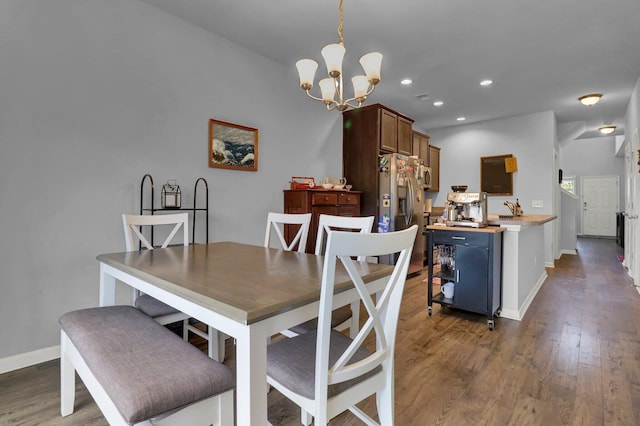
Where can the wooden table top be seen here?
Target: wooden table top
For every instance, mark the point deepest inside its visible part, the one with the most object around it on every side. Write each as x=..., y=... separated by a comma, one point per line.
x=243, y=282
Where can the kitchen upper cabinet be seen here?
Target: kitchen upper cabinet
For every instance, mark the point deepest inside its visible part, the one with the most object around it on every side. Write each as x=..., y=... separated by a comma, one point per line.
x=405, y=135
x=388, y=129
x=434, y=163
x=366, y=133
x=421, y=147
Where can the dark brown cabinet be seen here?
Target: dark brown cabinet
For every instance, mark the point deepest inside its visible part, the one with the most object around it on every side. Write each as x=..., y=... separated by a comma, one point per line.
x=368, y=132
x=421, y=147
x=434, y=163
x=317, y=202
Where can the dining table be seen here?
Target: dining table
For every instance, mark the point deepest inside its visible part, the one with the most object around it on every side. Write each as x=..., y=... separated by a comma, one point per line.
x=248, y=292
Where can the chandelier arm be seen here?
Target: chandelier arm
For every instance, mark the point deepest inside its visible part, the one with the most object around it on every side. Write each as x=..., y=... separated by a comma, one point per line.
x=313, y=97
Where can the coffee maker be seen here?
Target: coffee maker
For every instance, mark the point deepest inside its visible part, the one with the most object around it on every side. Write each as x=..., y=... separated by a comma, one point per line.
x=467, y=209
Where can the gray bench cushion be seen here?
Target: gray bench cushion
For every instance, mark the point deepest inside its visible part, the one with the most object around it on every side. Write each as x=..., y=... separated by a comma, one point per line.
x=144, y=368
x=292, y=362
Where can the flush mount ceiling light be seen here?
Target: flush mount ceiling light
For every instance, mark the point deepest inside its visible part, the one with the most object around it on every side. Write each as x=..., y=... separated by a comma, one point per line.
x=332, y=86
x=461, y=118
x=486, y=82
x=406, y=81
x=607, y=130
x=438, y=103
x=590, y=100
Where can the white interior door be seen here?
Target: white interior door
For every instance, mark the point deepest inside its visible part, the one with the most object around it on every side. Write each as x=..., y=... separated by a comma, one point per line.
x=600, y=202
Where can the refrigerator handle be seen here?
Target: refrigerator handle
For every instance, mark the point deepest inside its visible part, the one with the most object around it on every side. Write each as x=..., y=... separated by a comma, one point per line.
x=408, y=217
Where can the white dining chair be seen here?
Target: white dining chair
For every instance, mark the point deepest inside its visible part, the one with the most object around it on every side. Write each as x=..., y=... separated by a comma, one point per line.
x=276, y=223
x=325, y=372
x=176, y=225
x=345, y=316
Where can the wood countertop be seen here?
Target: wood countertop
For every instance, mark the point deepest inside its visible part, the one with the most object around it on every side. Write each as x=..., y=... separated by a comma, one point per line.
x=486, y=230
x=524, y=220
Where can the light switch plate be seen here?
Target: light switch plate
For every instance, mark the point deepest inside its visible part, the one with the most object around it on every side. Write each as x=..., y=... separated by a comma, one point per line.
x=537, y=203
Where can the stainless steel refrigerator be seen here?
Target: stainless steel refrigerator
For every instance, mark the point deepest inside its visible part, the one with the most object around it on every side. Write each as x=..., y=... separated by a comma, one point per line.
x=401, y=202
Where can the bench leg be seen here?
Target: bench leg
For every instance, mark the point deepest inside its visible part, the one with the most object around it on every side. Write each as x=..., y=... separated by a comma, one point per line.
x=67, y=378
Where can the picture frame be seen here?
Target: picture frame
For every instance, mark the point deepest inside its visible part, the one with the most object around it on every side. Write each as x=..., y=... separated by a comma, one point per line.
x=494, y=179
x=232, y=146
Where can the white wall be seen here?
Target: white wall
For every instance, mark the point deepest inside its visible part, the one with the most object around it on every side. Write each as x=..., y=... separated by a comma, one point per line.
x=632, y=226
x=591, y=157
x=530, y=138
x=93, y=95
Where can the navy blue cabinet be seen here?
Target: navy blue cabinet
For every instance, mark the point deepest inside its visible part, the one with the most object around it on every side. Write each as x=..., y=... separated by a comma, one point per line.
x=466, y=268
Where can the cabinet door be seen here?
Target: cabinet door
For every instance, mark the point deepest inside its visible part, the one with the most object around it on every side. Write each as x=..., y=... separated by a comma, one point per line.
x=472, y=275
x=405, y=136
x=434, y=163
x=421, y=147
x=388, y=131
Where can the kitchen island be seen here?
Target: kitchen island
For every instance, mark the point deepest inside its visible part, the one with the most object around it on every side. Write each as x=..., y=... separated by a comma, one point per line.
x=523, y=270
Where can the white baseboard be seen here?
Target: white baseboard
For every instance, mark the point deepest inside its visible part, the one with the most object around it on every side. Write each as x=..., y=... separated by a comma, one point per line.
x=572, y=252
x=16, y=362
x=522, y=310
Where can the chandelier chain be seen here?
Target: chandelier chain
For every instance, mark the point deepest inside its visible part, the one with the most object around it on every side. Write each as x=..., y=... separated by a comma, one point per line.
x=340, y=24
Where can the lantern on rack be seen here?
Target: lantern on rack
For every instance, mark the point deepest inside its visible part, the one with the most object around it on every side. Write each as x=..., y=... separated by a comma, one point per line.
x=171, y=197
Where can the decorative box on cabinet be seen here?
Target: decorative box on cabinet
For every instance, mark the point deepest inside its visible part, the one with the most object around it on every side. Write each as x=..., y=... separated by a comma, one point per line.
x=472, y=261
x=317, y=202
x=434, y=163
x=368, y=132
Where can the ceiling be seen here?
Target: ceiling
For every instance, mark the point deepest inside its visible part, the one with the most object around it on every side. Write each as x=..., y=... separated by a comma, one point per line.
x=541, y=55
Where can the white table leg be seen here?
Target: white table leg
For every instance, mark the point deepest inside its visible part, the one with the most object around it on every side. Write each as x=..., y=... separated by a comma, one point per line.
x=251, y=377
x=107, y=287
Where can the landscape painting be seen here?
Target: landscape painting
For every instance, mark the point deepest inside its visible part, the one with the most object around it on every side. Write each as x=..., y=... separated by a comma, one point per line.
x=232, y=146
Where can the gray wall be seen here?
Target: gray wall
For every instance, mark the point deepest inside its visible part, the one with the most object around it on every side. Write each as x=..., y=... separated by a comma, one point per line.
x=530, y=138
x=93, y=95
x=591, y=157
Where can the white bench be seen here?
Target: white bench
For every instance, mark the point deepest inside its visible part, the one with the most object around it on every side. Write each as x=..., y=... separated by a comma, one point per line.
x=142, y=374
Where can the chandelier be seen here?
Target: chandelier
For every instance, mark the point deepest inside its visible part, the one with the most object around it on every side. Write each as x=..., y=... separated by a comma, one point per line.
x=332, y=87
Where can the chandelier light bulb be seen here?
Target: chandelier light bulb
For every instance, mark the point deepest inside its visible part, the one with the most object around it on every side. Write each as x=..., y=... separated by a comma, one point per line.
x=371, y=63
x=307, y=72
x=327, y=87
x=333, y=55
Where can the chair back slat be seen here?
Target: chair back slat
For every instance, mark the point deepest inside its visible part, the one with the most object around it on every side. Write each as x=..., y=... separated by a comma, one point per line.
x=276, y=223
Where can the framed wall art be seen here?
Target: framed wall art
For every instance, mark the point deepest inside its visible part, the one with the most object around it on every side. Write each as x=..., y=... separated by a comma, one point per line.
x=233, y=146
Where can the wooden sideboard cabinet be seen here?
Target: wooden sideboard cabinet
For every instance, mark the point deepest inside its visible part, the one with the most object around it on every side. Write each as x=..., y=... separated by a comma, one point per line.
x=317, y=202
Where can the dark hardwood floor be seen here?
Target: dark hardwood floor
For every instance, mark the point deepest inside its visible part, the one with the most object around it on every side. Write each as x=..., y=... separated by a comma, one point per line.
x=573, y=360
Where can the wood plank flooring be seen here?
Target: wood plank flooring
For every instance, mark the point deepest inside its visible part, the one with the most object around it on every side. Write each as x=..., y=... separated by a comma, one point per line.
x=573, y=360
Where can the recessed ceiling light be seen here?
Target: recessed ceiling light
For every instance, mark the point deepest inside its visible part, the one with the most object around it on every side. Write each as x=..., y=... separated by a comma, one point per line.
x=406, y=81
x=607, y=130
x=461, y=118
x=590, y=100
x=486, y=82
x=438, y=103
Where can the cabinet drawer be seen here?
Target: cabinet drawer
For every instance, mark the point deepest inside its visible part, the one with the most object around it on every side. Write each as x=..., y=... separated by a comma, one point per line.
x=324, y=198
x=454, y=237
x=348, y=199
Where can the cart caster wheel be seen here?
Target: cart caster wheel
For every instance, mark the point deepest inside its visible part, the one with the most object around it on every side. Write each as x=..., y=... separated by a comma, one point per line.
x=430, y=311
x=498, y=312
x=490, y=325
